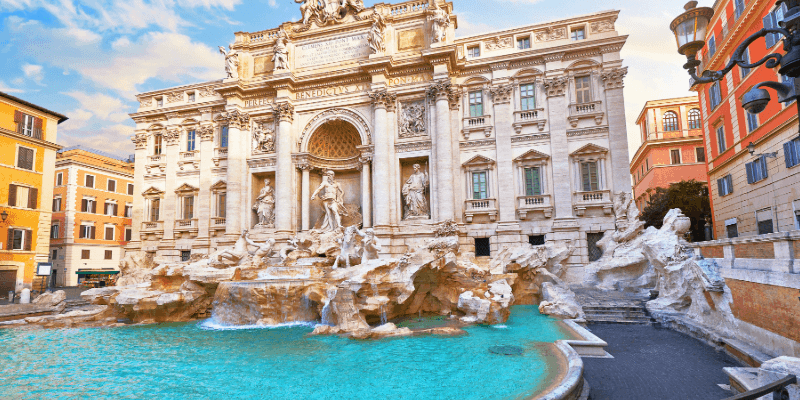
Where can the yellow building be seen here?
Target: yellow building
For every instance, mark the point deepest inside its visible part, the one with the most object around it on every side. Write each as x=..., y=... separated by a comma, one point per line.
x=27, y=165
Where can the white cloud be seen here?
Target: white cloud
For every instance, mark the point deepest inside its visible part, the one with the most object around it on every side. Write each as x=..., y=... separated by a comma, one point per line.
x=33, y=72
x=114, y=139
x=8, y=89
x=101, y=105
x=272, y=3
x=467, y=28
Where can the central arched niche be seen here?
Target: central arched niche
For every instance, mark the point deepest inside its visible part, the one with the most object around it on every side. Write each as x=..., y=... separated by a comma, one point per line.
x=334, y=145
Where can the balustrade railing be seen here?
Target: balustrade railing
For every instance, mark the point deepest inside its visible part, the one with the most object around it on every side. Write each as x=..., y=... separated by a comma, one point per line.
x=584, y=108
x=526, y=115
x=595, y=196
x=406, y=8
x=541, y=200
x=185, y=224
x=156, y=158
x=188, y=154
x=152, y=226
x=264, y=35
x=474, y=122
x=480, y=204
x=221, y=152
x=218, y=221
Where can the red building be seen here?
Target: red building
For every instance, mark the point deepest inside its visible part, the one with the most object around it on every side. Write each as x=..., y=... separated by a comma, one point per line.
x=755, y=193
x=672, y=146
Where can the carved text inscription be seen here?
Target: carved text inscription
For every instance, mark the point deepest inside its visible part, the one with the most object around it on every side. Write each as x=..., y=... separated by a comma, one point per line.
x=332, y=51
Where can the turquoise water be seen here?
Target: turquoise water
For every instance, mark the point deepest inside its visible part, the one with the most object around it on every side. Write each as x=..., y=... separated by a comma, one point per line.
x=188, y=360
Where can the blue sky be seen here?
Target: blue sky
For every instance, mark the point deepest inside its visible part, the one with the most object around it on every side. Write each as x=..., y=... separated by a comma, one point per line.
x=88, y=59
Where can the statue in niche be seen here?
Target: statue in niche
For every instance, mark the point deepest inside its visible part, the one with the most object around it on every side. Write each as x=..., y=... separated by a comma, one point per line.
x=414, y=194
x=440, y=20
x=265, y=206
x=264, y=249
x=281, y=53
x=375, y=37
x=264, y=140
x=231, y=62
x=332, y=198
x=369, y=245
x=412, y=120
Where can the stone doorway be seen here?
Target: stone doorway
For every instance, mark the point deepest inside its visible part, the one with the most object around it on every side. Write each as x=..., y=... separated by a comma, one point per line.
x=8, y=281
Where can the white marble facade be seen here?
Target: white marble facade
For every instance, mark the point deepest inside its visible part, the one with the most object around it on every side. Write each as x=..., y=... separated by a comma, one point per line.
x=518, y=133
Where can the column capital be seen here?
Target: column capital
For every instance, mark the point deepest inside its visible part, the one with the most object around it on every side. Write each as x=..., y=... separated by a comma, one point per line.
x=501, y=94
x=556, y=86
x=613, y=78
x=172, y=135
x=140, y=141
x=235, y=119
x=383, y=99
x=206, y=132
x=301, y=161
x=439, y=89
x=283, y=111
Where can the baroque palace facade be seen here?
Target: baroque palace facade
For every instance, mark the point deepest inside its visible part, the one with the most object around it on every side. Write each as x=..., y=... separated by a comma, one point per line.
x=517, y=135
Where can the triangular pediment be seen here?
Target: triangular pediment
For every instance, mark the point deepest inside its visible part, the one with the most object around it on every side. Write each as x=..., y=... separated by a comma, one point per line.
x=590, y=148
x=532, y=155
x=185, y=188
x=152, y=192
x=478, y=160
x=220, y=185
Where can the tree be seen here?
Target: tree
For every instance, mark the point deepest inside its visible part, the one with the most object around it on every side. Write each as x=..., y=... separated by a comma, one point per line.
x=690, y=196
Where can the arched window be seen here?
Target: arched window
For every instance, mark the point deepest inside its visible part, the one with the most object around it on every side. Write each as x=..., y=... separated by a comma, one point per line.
x=670, y=121
x=694, y=119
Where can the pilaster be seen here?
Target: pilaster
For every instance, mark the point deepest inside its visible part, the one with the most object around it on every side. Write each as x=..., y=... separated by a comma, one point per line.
x=617, y=130
x=503, y=128
x=170, y=210
x=205, y=205
x=140, y=158
x=556, y=108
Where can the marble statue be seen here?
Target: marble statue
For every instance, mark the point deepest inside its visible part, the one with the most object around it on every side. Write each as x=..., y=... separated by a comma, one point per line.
x=263, y=140
x=236, y=254
x=265, y=206
x=231, y=62
x=440, y=22
x=369, y=245
x=414, y=194
x=348, y=245
x=332, y=198
x=375, y=37
x=264, y=249
x=309, y=8
x=281, y=53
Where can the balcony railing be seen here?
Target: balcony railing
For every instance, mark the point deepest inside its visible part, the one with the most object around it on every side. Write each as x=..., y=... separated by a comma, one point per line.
x=529, y=117
x=409, y=7
x=534, y=203
x=152, y=226
x=188, y=154
x=221, y=152
x=481, y=123
x=480, y=207
x=157, y=158
x=593, y=199
x=577, y=109
x=217, y=222
x=185, y=224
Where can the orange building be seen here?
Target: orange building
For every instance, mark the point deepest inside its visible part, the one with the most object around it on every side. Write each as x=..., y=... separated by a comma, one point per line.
x=92, y=208
x=672, y=146
x=28, y=139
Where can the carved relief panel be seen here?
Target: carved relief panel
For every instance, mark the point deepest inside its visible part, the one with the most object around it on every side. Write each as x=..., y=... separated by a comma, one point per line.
x=411, y=119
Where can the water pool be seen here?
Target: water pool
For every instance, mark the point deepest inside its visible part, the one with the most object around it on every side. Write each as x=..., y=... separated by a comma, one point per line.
x=188, y=360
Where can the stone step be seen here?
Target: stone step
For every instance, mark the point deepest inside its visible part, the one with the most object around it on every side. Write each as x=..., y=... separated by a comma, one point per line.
x=611, y=320
x=612, y=309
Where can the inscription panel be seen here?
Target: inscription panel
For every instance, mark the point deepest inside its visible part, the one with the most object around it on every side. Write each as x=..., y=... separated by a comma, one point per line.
x=332, y=51
x=410, y=39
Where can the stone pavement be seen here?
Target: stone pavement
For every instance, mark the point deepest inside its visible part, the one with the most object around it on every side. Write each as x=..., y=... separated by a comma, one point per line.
x=73, y=293
x=653, y=363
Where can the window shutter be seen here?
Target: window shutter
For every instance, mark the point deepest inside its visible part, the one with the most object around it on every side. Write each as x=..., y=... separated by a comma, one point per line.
x=94, y=208
x=12, y=195
x=83, y=205
x=769, y=39
x=18, y=116
x=729, y=180
x=763, y=163
x=92, y=232
x=33, y=198
x=10, y=239
x=28, y=239
x=37, y=128
x=116, y=209
x=719, y=186
x=749, y=168
x=790, y=151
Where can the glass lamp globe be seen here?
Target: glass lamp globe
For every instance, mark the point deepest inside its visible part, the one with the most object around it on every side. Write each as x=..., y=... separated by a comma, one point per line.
x=690, y=28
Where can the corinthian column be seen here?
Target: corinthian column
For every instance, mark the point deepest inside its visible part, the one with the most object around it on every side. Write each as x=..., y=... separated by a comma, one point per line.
x=506, y=195
x=206, y=134
x=617, y=131
x=444, y=150
x=236, y=171
x=305, y=194
x=556, y=107
x=366, y=193
x=139, y=213
x=170, y=209
x=284, y=113
x=380, y=178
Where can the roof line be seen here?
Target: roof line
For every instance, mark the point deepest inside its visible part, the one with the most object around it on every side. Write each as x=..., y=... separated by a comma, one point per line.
x=61, y=117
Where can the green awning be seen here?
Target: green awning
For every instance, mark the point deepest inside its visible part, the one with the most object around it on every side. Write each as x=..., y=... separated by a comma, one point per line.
x=97, y=272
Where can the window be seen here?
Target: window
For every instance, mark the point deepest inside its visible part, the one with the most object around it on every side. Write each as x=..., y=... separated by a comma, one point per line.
x=89, y=205
x=746, y=57
x=771, y=21
x=764, y=221
x=714, y=95
x=28, y=125
x=157, y=141
x=647, y=163
x=56, y=204
x=482, y=247
x=476, y=103
x=111, y=185
x=190, y=97
x=756, y=170
x=108, y=255
x=712, y=45
x=109, y=234
x=725, y=185
x=694, y=119
x=700, y=154
x=752, y=121
x=19, y=239
x=221, y=205
x=128, y=234
x=223, y=137
x=578, y=34
x=479, y=187
x=85, y=254
x=527, y=97
x=154, y=209
x=23, y=197
x=721, y=138
x=791, y=151
x=185, y=255
x=670, y=121
x=589, y=177
x=190, y=140
x=732, y=230
x=524, y=43
x=128, y=211
x=160, y=102
x=54, y=231
x=473, y=51
x=536, y=240
x=54, y=255
x=88, y=181
x=591, y=241
x=533, y=181
x=583, y=89
x=675, y=156
x=130, y=189
x=86, y=231
x=25, y=158
x=59, y=179
x=188, y=207
x=738, y=6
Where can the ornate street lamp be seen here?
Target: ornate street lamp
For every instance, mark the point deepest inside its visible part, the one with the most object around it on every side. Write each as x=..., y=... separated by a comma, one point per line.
x=690, y=31
x=3, y=216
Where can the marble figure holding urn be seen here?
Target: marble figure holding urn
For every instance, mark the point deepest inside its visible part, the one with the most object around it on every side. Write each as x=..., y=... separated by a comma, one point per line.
x=265, y=206
x=414, y=194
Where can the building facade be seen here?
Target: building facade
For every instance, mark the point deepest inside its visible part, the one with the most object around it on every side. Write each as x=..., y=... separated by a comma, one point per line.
x=517, y=135
x=751, y=194
x=672, y=146
x=28, y=139
x=92, y=209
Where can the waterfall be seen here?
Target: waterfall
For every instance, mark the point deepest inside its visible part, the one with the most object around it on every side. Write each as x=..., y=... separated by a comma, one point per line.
x=374, y=289
x=326, y=309
x=383, y=315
